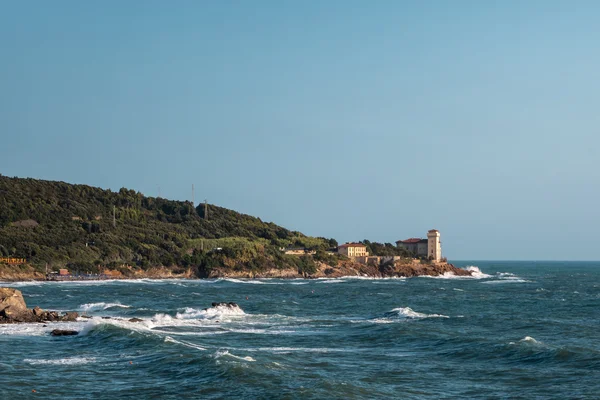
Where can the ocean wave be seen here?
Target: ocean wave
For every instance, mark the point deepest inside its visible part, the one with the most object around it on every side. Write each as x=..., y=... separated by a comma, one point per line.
x=475, y=274
x=61, y=361
x=285, y=350
x=101, y=306
x=216, y=312
x=499, y=281
x=225, y=353
x=403, y=313
x=169, y=339
x=37, y=329
x=21, y=284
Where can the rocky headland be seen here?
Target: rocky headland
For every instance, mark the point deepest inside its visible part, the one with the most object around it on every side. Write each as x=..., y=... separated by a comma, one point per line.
x=407, y=268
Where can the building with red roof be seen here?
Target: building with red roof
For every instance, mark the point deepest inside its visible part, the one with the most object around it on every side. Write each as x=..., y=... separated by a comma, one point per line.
x=430, y=247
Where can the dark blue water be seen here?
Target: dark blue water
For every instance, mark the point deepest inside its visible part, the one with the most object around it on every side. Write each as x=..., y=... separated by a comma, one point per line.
x=521, y=330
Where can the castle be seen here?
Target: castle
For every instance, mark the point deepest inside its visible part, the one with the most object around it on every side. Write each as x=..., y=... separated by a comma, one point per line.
x=430, y=247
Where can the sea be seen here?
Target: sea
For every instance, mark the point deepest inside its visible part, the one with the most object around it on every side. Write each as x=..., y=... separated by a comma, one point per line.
x=514, y=330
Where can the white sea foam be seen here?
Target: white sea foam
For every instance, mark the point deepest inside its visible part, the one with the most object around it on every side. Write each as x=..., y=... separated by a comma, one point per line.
x=37, y=329
x=250, y=281
x=529, y=341
x=225, y=353
x=169, y=339
x=500, y=281
x=21, y=284
x=217, y=312
x=475, y=274
x=402, y=313
x=285, y=350
x=101, y=306
x=61, y=361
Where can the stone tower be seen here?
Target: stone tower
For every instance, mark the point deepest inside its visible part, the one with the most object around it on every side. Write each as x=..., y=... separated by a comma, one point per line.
x=434, y=246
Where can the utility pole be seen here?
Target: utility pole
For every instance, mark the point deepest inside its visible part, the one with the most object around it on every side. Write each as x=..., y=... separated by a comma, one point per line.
x=205, y=209
x=114, y=216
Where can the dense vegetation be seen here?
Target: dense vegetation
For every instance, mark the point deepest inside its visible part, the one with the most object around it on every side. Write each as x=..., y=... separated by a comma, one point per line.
x=72, y=225
x=386, y=249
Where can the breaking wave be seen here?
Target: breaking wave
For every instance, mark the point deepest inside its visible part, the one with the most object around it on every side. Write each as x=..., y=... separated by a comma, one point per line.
x=101, y=306
x=61, y=361
x=218, y=311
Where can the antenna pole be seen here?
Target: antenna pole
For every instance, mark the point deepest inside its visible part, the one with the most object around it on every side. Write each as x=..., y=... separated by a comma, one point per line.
x=205, y=209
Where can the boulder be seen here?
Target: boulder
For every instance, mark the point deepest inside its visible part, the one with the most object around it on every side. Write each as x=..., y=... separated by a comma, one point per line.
x=135, y=320
x=70, y=316
x=224, y=304
x=63, y=332
x=12, y=302
x=38, y=312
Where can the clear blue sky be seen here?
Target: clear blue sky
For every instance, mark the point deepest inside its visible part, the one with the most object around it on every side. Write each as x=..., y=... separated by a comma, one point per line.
x=344, y=119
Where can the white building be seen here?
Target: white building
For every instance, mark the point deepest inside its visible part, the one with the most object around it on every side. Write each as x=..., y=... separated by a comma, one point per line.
x=434, y=246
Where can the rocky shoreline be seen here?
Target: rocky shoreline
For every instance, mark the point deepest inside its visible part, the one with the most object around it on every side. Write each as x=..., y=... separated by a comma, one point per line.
x=14, y=310
x=411, y=268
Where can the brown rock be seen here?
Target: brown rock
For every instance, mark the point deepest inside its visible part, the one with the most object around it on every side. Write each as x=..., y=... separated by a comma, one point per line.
x=11, y=300
x=135, y=320
x=69, y=316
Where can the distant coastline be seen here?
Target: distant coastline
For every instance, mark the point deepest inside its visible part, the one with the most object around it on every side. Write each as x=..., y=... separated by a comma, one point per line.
x=347, y=269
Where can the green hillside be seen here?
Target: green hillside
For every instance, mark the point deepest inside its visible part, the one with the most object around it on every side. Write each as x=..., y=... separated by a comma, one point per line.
x=72, y=225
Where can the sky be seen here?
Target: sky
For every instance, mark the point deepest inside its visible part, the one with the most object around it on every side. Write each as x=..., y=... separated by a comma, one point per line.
x=346, y=119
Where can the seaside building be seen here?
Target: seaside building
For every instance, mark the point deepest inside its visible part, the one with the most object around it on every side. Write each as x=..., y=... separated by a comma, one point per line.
x=434, y=246
x=430, y=247
x=417, y=246
x=353, y=250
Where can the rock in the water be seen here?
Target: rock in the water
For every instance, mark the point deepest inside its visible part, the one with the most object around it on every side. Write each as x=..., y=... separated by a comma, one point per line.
x=135, y=320
x=12, y=302
x=13, y=310
x=63, y=332
x=69, y=316
x=231, y=304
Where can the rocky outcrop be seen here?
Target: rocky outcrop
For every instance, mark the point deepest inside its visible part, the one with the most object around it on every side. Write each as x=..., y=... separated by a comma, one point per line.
x=231, y=304
x=13, y=309
x=406, y=268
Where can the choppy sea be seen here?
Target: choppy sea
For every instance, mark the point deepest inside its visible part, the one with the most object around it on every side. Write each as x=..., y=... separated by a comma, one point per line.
x=514, y=330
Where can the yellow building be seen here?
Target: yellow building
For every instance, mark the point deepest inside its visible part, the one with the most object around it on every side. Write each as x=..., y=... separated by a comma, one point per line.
x=353, y=250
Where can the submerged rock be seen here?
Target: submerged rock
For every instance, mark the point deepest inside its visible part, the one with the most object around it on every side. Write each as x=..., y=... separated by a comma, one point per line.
x=135, y=320
x=63, y=332
x=224, y=304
